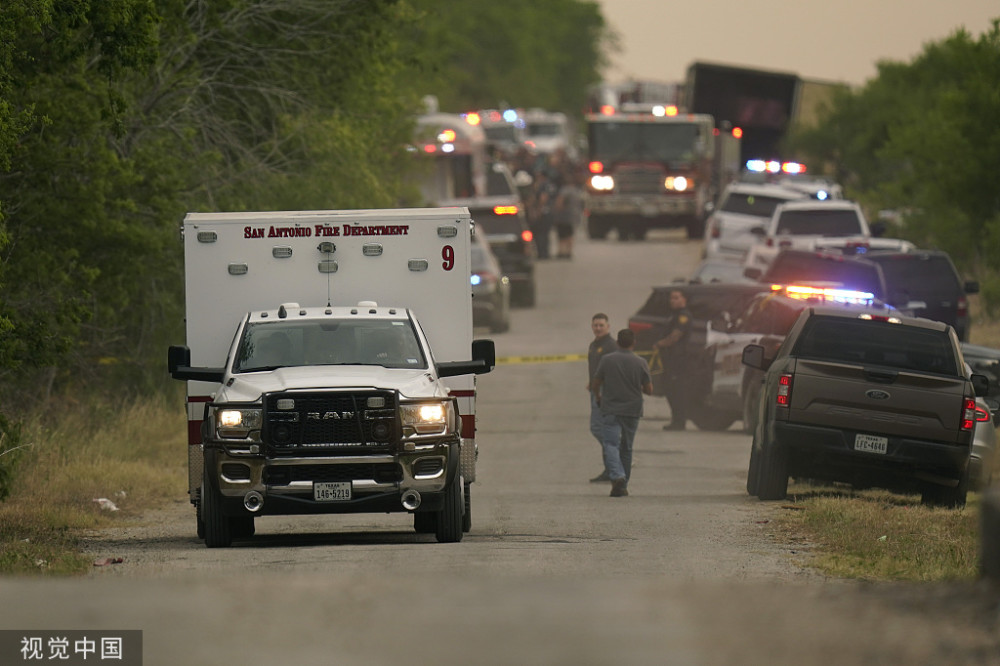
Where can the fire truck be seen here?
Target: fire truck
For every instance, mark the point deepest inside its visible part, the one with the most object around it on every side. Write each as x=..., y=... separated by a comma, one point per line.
x=330, y=367
x=652, y=166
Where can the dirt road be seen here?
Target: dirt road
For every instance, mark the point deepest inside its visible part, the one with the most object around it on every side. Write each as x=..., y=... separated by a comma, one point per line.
x=686, y=570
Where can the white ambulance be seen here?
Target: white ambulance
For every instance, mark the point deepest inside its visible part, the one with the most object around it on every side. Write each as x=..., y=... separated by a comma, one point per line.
x=313, y=386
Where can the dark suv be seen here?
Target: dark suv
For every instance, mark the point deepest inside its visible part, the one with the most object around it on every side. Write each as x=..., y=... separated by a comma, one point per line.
x=929, y=277
x=866, y=398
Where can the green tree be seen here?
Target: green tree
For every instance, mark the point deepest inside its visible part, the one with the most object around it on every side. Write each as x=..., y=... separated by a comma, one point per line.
x=922, y=138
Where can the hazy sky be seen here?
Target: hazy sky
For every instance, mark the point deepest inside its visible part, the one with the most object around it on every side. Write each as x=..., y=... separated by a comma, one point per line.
x=835, y=41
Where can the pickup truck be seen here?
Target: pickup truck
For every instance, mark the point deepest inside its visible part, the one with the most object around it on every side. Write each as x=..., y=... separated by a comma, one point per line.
x=866, y=398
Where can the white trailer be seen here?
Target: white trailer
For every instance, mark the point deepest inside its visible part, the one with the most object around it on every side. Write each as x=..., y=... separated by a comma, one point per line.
x=333, y=425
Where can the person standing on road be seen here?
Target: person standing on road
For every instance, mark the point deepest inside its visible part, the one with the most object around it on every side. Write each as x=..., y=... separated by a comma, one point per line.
x=619, y=382
x=602, y=345
x=673, y=353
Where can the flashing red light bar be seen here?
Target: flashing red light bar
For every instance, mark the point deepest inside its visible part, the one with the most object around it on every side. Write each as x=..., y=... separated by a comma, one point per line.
x=447, y=136
x=430, y=148
x=596, y=167
x=473, y=118
x=505, y=210
x=793, y=167
x=738, y=132
x=607, y=110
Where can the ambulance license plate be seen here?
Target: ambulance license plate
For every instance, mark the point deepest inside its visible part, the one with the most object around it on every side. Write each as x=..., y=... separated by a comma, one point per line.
x=338, y=491
x=871, y=443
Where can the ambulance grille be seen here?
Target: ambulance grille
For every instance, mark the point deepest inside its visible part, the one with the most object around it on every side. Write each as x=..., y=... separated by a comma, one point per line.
x=331, y=423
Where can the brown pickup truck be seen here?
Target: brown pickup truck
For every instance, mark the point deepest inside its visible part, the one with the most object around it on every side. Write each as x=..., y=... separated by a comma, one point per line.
x=865, y=398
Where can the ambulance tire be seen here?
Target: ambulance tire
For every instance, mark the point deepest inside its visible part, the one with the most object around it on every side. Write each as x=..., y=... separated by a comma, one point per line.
x=449, y=519
x=218, y=527
x=200, y=521
x=243, y=527
x=467, y=513
x=425, y=522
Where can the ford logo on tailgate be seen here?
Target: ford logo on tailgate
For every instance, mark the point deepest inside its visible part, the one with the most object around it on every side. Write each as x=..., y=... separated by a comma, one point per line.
x=876, y=394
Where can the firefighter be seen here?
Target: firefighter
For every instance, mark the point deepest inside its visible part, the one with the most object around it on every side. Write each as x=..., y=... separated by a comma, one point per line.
x=673, y=351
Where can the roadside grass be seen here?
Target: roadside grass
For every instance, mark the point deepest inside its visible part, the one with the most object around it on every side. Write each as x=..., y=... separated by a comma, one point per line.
x=881, y=536
x=133, y=456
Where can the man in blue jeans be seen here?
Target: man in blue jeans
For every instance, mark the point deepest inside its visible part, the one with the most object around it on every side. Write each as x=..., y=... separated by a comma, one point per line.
x=619, y=382
x=602, y=345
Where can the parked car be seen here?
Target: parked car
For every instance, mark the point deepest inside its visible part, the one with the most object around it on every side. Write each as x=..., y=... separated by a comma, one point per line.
x=985, y=361
x=734, y=388
x=490, y=288
x=742, y=207
x=870, y=399
x=810, y=224
x=929, y=277
x=822, y=268
x=715, y=301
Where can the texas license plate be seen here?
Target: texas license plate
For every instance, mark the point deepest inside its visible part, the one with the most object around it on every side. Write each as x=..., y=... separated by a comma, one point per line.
x=338, y=491
x=871, y=443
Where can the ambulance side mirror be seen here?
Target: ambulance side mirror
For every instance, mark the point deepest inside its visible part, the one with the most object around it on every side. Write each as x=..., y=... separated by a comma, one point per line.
x=483, y=360
x=179, y=366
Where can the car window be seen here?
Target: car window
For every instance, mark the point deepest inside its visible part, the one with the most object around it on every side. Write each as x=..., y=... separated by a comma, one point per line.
x=751, y=204
x=920, y=277
x=492, y=224
x=877, y=343
x=818, y=222
x=498, y=183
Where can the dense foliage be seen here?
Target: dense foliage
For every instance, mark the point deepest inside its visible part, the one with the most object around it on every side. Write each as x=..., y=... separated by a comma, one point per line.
x=118, y=116
x=922, y=139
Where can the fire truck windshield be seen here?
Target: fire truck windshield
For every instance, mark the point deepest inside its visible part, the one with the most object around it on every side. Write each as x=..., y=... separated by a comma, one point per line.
x=648, y=141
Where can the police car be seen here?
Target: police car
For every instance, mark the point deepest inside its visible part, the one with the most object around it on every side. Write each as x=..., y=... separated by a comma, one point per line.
x=733, y=388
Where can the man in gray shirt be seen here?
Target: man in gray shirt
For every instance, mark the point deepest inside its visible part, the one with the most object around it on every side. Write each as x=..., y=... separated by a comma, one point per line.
x=619, y=382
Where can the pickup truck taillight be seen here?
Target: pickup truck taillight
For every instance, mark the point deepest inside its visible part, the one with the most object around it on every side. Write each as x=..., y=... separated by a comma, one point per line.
x=968, y=414
x=962, y=309
x=784, y=398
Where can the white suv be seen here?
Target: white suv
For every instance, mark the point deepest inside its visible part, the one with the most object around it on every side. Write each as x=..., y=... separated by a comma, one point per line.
x=818, y=225
x=742, y=207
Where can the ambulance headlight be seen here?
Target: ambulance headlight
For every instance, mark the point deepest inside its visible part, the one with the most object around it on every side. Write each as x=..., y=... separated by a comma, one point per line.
x=237, y=423
x=427, y=418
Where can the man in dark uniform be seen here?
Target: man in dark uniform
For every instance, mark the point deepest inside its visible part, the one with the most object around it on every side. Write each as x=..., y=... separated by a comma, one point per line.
x=673, y=351
x=601, y=345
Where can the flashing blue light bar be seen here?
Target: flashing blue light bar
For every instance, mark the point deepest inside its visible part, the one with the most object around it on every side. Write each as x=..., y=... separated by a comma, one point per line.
x=510, y=115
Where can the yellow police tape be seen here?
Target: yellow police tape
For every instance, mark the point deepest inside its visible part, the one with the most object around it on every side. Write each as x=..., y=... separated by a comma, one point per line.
x=553, y=358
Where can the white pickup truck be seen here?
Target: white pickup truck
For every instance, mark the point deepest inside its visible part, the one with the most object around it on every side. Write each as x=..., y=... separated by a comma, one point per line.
x=810, y=224
x=313, y=385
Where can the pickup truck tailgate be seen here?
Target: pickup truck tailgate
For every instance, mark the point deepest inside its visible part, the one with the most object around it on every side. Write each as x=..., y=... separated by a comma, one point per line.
x=878, y=400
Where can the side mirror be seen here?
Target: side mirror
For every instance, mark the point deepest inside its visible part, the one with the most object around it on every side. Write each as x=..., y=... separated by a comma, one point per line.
x=179, y=366
x=752, y=272
x=759, y=232
x=483, y=361
x=753, y=357
x=980, y=384
x=877, y=228
x=971, y=287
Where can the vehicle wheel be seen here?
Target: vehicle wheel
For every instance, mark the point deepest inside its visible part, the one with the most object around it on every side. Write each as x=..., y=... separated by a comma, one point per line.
x=242, y=527
x=449, y=519
x=753, y=470
x=707, y=418
x=695, y=229
x=751, y=396
x=218, y=528
x=949, y=498
x=772, y=481
x=598, y=227
x=424, y=522
x=524, y=295
x=467, y=513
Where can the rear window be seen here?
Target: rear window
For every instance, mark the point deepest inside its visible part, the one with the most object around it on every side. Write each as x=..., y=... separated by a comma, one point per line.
x=877, y=343
x=920, y=277
x=819, y=223
x=751, y=204
x=812, y=269
x=498, y=184
x=493, y=224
